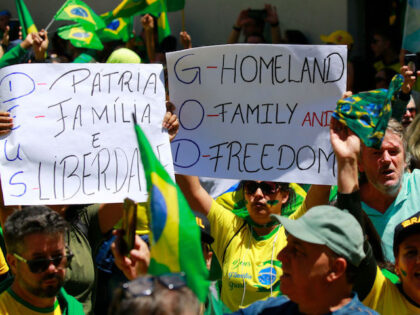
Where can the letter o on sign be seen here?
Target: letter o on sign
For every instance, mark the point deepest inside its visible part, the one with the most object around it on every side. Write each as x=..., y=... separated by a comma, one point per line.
x=191, y=114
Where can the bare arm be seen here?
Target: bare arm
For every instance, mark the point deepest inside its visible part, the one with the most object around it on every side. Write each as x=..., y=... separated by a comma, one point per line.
x=148, y=26
x=236, y=31
x=196, y=195
x=6, y=124
x=317, y=195
x=346, y=147
x=273, y=20
x=108, y=215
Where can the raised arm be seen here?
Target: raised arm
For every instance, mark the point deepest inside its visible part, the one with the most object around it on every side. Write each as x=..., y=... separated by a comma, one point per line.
x=317, y=195
x=273, y=20
x=197, y=197
x=346, y=147
x=237, y=27
x=6, y=124
x=148, y=26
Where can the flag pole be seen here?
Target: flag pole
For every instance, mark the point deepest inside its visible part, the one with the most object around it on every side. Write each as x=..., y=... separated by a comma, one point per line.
x=183, y=21
x=52, y=20
x=49, y=24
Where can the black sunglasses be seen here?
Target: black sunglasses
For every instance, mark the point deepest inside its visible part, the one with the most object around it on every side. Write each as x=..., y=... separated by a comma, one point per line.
x=145, y=286
x=40, y=265
x=266, y=188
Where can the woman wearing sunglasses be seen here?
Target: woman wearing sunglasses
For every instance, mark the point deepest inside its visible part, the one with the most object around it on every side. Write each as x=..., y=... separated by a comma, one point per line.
x=247, y=249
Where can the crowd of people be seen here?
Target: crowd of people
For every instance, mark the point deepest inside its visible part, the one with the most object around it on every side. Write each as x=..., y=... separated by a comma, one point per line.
x=270, y=247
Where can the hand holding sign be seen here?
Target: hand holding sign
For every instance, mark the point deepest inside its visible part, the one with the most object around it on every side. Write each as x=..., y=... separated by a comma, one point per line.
x=256, y=112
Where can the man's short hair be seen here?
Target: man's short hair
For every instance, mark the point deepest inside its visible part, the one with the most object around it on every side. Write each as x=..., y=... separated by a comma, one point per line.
x=162, y=300
x=31, y=220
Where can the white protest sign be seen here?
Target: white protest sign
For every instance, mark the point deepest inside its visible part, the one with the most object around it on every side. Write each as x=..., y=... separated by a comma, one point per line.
x=257, y=112
x=73, y=140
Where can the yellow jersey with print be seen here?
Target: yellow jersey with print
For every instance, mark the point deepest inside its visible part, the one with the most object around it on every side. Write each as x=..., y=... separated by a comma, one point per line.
x=11, y=304
x=386, y=298
x=3, y=265
x=250, y=268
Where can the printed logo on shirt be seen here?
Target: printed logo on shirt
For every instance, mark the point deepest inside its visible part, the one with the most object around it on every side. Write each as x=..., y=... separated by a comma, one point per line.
x=267, y=276
x=237, y=262
x=236, y=275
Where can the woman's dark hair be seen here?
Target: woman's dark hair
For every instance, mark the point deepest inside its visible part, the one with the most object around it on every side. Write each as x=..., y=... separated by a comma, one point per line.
x=296, y=37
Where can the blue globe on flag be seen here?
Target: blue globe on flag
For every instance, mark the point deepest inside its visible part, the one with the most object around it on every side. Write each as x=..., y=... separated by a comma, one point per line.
x=79, y=12
x=114, y=25
x=81, y=35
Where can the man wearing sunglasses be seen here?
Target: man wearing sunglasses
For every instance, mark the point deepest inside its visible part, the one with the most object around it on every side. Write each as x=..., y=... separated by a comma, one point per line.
x=410, y=113
x=38, y=258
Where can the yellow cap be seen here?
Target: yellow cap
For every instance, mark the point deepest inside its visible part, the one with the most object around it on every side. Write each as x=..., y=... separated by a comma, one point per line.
x=338, y=38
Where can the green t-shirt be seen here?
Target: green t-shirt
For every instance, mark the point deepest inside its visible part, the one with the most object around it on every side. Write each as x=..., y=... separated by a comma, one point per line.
x=80, y=280
x=13, y=56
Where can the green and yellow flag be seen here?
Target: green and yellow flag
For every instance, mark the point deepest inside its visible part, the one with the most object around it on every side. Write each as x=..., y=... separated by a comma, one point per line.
x=25, y=19
x=79, y=37
x=117, y=29
x=78, y=11
x=174, y=233
x=163, y=26
x=135, y=7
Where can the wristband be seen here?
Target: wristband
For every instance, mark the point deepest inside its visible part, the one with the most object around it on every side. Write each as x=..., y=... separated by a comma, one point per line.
x=238, y=29
x=275, y=24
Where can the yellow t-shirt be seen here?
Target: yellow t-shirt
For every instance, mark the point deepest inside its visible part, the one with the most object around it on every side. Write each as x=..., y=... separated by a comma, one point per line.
x=386, y=299
x=11, y=304
x=3, y=265
x=250, y=259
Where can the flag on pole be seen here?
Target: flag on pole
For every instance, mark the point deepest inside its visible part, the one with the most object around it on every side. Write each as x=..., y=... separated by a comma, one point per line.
x=117, y=29
x=174, y=233
x=25, y=19
x=135, y=7
x=79, y=37
x=411, y=36
x=78, y=11
x=164, y=29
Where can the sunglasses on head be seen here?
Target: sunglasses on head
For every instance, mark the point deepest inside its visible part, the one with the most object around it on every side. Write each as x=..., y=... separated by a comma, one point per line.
x=145, y=286
x=40, y=265
x=267, y=188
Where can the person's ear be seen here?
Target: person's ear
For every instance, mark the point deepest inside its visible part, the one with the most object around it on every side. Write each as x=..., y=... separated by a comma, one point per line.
x=12, y=262
x=338, y=269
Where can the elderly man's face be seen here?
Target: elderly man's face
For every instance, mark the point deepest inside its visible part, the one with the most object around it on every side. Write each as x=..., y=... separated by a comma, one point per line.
x=384, y=168
x=305, y=268
x=43, y=283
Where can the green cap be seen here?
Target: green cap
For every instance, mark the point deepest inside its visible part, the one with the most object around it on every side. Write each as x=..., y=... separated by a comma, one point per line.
x=329, y=226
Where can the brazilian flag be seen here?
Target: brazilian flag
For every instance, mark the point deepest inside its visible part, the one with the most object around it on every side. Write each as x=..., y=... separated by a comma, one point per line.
x=174, y=233
x=79, y=37
x=78, y=11
x=135, y=7
x=117, y=29
x=25, y=19
x=164, y=29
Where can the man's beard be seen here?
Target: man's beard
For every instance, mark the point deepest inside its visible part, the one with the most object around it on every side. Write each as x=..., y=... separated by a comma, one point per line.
x=49, y=291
